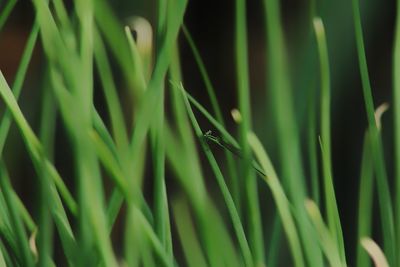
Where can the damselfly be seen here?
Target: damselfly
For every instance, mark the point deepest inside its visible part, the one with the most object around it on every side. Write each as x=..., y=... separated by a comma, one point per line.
x=209, y=137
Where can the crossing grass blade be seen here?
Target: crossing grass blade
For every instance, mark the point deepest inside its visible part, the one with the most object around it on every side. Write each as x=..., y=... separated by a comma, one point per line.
x=15, y=219
x=33, y=144
x=326, y=240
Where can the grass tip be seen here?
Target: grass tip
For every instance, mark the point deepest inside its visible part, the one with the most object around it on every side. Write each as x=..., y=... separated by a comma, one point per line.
x=144, y=33
x=311, y=206
x=32, y=244
x=236, y=115
x=374, y=252
x=318, y=25
x=379, y=112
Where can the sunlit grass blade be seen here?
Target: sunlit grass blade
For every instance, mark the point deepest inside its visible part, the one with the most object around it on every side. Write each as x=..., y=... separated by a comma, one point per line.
x=2, y=260
x=141, y=72
x=187, y=234
x=384, y=195
x=326, y=240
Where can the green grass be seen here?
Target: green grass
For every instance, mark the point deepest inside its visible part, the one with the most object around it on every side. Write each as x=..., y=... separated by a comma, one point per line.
x=144, y=166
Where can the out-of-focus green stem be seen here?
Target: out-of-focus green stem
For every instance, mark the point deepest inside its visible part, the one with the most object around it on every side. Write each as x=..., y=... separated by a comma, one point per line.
x=247, y=174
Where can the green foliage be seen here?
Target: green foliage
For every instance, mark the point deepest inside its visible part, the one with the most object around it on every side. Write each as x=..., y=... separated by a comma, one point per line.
x=88, y=49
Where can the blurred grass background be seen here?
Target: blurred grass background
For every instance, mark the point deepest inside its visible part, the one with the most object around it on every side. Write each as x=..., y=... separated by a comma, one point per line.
x=211, y=24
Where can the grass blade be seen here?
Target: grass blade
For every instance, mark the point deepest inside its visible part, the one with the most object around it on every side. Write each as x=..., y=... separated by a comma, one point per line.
x=385, y=202
x=218, y=245
x=47, y=131
x=161, y=207
x=375, y=252
x=15, y=219
x=110, y=92
x=396, y=117
x=6, y=12
x=312, y=147
x=329, y=191
x=327, y=242
x=287, y=129
x=18, y=82
x=365, y=201
x=247, y=173
x=245, y=249
x=280, y=198
x=233, y=178
x=2, y=260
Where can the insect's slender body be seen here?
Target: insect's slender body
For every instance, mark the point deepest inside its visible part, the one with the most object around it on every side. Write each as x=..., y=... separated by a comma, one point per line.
x=209, y=137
